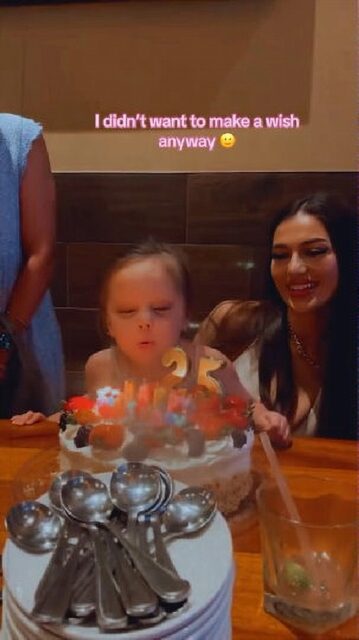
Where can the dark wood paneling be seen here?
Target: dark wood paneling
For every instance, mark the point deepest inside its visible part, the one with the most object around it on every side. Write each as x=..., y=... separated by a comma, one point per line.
x=121, y=207
x=237, y=207
x=219, y=273
x=87, y=267
x=81, y=335
x=75, y=383
x=59, y=280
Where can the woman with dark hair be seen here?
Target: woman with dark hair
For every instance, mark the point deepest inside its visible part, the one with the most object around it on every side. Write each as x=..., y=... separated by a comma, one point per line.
x=296, y=351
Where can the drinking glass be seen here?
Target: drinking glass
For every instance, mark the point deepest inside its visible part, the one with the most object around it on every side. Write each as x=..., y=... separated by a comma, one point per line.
x=310, y=567
x=35, y=477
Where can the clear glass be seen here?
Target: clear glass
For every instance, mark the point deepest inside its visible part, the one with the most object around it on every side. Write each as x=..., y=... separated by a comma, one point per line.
x=34, y=478
x=310, y=568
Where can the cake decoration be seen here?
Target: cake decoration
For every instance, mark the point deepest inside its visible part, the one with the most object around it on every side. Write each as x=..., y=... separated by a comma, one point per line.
x=154, y=418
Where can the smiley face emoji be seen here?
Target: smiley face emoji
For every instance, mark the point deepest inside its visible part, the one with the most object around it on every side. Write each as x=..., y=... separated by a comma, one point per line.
x=227, y=140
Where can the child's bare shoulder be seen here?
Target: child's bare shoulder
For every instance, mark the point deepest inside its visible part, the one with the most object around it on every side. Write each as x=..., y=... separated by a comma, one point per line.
x=98, y=370
x=97, y=361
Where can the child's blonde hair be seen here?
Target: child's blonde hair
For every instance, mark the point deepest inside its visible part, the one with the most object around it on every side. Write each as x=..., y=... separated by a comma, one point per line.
x=175, y=262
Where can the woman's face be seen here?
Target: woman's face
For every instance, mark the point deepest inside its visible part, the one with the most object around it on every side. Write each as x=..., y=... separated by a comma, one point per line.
x=304, y=266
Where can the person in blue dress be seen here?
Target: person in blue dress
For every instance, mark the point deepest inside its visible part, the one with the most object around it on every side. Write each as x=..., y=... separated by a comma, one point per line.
x=31, y=358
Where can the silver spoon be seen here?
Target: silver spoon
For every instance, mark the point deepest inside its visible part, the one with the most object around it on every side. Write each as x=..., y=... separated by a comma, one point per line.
x=145, y=519
x=137, y=598
x=109, y=610
x=57, y=484
x=168, y=489
x=135, y=488
x=83, y=593
x=36, y=528
x=151, y=519
x=189, y=511
x=88, y=501
x=153, y=516
x=83, y=597
x=53, y=594
x=73, y=542
x=33, y=526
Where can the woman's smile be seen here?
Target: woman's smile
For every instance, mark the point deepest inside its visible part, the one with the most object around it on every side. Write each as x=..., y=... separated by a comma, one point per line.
x=302, y=289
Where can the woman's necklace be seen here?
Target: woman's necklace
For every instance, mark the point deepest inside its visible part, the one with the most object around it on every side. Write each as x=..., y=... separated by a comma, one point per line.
x=300, y=348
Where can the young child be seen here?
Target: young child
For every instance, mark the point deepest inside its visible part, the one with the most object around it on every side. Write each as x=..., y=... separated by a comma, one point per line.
x=145, y=303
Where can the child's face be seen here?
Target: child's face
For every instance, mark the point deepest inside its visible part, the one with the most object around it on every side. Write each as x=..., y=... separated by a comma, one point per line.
x=145, y=311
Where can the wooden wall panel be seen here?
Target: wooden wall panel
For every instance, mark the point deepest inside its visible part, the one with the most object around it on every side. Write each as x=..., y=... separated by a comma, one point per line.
x=81, y=335
x=88, y=263
x=237, y=207
x=218, y=273
x=121, y=207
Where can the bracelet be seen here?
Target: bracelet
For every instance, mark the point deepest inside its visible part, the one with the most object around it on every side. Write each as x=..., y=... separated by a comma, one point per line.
x=249, y=413
x=6, y=341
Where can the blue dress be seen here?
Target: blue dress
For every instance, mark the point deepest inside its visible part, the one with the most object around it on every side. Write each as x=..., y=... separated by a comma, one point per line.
x=43, y=335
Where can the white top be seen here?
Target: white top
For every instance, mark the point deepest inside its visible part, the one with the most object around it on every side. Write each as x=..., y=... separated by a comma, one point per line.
x=246, y=366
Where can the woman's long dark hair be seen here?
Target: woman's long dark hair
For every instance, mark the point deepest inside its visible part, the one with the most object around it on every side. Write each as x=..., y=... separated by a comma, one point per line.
x=338, y=406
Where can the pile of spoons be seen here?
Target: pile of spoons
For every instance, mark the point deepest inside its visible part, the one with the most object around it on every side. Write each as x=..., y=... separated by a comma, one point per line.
x=110, y=564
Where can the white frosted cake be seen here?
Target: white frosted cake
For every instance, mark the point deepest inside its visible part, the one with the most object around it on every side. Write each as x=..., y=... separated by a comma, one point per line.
x=200, y=440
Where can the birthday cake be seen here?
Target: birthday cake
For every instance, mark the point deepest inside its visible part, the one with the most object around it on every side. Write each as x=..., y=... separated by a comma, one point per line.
x=200, y=437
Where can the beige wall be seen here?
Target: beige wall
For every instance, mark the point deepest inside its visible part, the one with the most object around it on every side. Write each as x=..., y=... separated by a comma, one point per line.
x=62, y=64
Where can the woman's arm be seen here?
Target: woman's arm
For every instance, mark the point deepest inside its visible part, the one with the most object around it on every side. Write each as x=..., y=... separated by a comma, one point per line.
x=232, y=326
x=274, y=423
x=38, y=229
x=208, y=329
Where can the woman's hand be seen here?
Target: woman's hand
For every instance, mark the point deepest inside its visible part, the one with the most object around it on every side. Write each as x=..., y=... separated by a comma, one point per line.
x=275, y=424
x=30, y=417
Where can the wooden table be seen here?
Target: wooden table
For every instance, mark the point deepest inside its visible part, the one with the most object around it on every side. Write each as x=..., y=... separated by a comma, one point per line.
x=250, y=622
